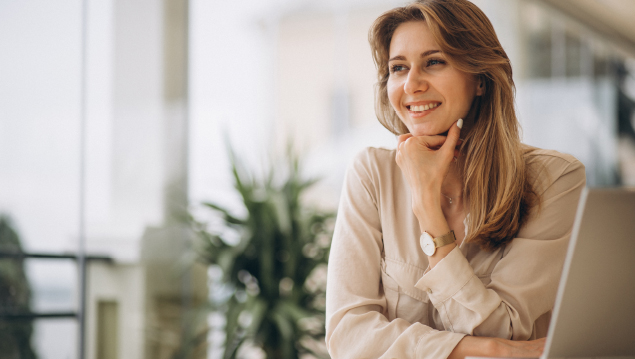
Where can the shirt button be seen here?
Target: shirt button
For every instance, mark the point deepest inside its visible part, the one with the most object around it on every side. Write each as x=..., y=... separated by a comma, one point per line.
x=429, y=291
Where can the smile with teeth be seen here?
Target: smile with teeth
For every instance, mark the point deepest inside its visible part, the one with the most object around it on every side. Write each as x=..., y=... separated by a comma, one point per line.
x=424, y=107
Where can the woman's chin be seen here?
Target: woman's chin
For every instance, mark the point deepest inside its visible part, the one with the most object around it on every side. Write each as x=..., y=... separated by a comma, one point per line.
x=428, y=131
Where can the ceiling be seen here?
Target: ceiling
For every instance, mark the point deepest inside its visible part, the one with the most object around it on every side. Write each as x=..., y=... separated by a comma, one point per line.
x=614, y=19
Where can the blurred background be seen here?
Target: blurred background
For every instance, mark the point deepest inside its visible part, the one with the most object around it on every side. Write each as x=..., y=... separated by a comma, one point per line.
x=116, y=116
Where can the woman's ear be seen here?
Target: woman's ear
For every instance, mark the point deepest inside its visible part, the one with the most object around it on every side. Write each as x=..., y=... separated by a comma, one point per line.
x=480, y=86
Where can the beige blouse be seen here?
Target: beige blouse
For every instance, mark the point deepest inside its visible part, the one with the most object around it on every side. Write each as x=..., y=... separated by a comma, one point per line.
x=384, y=302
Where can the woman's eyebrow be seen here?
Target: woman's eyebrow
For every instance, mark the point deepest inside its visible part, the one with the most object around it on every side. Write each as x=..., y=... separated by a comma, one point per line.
x=429, y=52
x=424, y=54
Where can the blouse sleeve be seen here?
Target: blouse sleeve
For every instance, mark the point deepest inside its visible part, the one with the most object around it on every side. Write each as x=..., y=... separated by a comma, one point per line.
x=524, y=282
x=356, y=323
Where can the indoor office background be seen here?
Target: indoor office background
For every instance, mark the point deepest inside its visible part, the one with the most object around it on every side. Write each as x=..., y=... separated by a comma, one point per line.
x=116, y=117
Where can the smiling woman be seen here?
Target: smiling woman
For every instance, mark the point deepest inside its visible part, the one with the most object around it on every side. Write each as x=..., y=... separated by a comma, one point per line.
x=452, y=244
x=426, y=92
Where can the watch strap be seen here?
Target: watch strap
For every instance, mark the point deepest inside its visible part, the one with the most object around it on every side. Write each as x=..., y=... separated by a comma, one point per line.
x=445, y=239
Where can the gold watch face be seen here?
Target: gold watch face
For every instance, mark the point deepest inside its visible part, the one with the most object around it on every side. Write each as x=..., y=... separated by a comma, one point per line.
x=427, y=244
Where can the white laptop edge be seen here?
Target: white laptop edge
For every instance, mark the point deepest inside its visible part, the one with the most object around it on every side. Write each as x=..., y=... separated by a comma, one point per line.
x=565, y=270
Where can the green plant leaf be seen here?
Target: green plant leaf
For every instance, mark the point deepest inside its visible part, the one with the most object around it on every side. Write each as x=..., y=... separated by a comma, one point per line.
x=226, y=215
x=284, y=324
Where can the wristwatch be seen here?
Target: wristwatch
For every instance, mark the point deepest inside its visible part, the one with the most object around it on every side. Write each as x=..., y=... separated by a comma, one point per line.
x=430, y=245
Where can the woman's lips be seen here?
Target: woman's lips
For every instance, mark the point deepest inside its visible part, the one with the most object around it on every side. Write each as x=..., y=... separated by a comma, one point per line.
x=418, y=114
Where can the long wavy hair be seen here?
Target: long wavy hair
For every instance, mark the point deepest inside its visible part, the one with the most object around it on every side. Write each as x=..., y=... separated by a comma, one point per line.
x=497, y=188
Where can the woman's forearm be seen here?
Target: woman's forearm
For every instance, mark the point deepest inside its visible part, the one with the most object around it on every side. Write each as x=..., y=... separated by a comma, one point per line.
x=474, y=346
x=427, y=208
x=432, y=220
x=497, y=347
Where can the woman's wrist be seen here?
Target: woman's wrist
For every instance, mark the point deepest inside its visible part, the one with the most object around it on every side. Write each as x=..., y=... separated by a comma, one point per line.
x=432, y=220
x=436, y=226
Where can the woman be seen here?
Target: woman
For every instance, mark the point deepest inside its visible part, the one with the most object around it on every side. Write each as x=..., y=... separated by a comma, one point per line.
x=452, y=244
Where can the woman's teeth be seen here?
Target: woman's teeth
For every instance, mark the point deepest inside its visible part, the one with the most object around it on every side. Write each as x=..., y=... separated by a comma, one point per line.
x=424, y=107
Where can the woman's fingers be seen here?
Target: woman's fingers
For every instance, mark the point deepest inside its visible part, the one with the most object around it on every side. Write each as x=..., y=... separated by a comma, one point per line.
x=402, y=139
x=452, y=139
x=448, y=145
x=433, y=142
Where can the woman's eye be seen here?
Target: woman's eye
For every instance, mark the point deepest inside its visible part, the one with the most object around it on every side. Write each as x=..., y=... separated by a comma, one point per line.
x=433, y=62
x=396, y=68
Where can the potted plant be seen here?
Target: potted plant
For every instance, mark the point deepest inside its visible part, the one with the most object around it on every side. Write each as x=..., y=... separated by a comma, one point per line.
x=270, y=265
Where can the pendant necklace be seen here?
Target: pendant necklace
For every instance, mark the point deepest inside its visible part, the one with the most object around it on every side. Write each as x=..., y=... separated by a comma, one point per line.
x=449, y=198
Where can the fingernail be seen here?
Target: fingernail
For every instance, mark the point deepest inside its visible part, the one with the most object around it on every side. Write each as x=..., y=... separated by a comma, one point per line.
x=460, y=123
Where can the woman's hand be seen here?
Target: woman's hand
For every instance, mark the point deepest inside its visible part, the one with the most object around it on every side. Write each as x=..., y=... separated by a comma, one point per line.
x=425, y=161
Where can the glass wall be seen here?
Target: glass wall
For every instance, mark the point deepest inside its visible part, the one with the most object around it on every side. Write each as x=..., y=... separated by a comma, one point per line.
x=114, y=175
x=40, y=160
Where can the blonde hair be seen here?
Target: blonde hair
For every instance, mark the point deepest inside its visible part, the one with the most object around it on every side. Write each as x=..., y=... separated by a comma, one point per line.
x=497, y=188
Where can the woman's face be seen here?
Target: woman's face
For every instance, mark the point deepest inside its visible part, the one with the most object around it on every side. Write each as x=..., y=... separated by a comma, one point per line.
x=427, y=93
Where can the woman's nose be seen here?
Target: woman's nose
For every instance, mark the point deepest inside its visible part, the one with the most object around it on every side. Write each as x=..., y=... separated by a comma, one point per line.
x=416, y=82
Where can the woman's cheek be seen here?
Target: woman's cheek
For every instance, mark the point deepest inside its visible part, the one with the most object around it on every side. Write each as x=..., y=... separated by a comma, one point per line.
x=392, y=96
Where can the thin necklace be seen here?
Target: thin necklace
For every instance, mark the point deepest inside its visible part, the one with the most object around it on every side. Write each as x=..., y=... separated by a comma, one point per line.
x=449, y=198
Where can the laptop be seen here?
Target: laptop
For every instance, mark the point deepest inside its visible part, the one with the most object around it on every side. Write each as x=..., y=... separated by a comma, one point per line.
x=594, y=313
